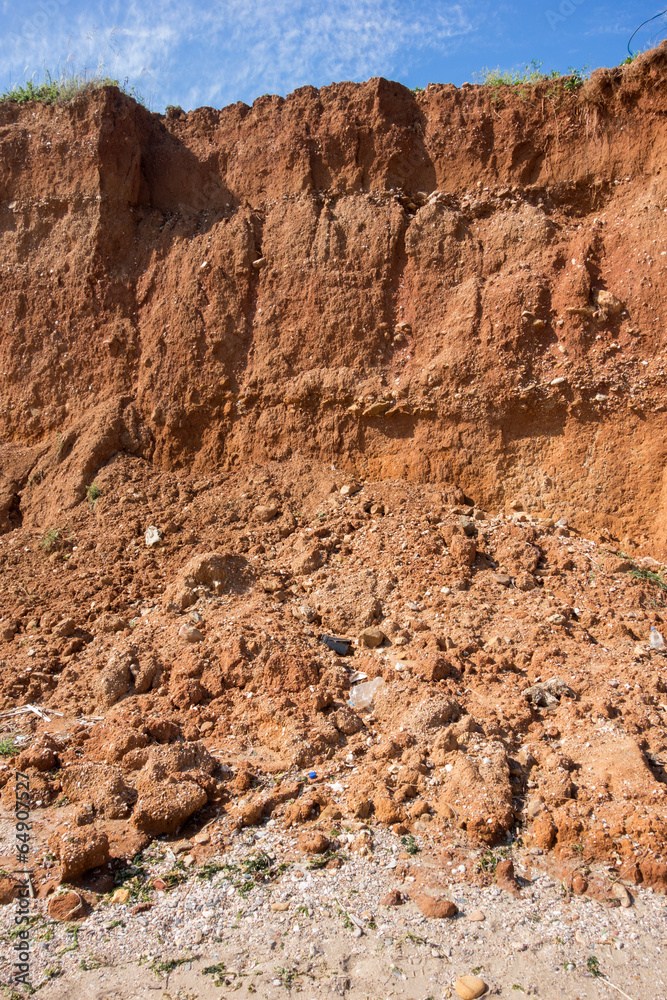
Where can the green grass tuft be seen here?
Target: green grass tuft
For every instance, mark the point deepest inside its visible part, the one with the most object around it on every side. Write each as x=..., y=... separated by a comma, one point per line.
x=593, y=966
x=64, y=87
x=648, y=576
x=530, y=74
x=410, y=845
x=93, y=493
x=490, y=858
x=168, y=965
x=8, y=747
x=50, y=539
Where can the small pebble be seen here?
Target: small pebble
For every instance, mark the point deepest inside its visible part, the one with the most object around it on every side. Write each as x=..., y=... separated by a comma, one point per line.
x=470, y=987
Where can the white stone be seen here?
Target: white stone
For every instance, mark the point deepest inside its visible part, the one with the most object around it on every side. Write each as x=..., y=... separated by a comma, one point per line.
x=153, y=536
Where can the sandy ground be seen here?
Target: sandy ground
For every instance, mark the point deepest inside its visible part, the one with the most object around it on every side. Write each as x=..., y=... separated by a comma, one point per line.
x=325, y=933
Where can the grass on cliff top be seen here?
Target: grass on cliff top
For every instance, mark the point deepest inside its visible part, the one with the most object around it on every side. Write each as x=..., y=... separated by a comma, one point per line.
x=530, y=74
x=64, y=88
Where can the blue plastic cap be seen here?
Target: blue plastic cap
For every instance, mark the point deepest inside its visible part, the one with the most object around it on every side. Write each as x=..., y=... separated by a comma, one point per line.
x=312, y=774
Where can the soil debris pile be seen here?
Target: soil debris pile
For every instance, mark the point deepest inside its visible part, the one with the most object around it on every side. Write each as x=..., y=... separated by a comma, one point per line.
x=496, y=678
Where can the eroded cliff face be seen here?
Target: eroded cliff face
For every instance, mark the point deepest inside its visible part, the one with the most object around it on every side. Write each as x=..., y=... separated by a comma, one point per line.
x=457, y=286
x=350, y=357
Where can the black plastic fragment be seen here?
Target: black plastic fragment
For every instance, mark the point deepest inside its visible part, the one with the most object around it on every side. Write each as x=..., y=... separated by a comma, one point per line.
x=338, y=645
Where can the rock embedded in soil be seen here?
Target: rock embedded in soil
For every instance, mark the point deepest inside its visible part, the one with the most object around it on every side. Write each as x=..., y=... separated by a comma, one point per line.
x=463, y=550
x=438, y=909
x=547, y=694
x=313, y=842
x=152, y=537
x=307, y=562
x=188, y=633
x=121, y=896
x=619, y=892
x=65, y=906
x=9, y=889
x=387, y=811
x=393, y=898
x=579, y=885
x=42, y=755
x=165, y=810
x=266, y=512
x=113, y=682
x=80, y=850
x=370, y=638
x=506, y=878
x=470, y=987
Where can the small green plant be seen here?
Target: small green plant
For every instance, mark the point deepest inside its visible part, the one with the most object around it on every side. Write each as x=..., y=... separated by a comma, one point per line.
x=45, y=93
x=256, y=870
x=593, y=966
x=410, y=845
x=287, y=977
x=64, y=87
x=347, y=923
x=209, y=869
x=489, y=860
x=257, y=863
x=168, y=965
x=417, y=90
x=531, y=73
x=30, y=922
x=50, y=539
x=93, y=492
x=476, y=971
x=648, y=576
x=322, y=860
x=134, y=877
x=88, y=964
x=8, y=747
x=74, y=931
x=575, y=78
x=218, y=971
x=175, y=876
x=53, y=972
x=515, y=986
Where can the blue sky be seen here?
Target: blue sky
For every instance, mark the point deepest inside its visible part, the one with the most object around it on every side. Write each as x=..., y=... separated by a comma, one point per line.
x=192, y=53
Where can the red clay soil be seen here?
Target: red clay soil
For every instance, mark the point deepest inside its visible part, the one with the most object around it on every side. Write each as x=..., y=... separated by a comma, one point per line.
x=364, y=359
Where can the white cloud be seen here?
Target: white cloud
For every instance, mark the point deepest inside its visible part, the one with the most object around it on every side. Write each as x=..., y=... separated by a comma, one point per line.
x=287, y=44
x=232, y=49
